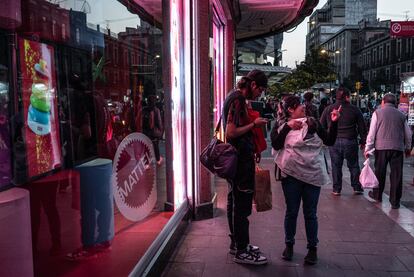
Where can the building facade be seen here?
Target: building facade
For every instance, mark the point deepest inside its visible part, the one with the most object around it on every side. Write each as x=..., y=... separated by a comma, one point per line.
x=383, y=60
x=327, y=21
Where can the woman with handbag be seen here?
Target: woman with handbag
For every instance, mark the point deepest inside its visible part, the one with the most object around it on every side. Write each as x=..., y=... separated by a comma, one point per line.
x=299, y=156
x=239, y=126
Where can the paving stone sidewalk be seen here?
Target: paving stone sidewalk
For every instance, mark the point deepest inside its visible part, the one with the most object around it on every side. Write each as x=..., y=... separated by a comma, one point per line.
x=357, y=238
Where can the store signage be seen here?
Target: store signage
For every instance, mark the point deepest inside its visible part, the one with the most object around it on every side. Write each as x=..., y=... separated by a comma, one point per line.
x=134, y=177
x=402, y=29
x=41, y=123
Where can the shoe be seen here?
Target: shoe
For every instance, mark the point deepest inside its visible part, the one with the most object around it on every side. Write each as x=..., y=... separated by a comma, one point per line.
x=82, y=253
x=252, y=248
x=371, y=195
x=288, y=252
x=396, y=206
x=249, y=257
x=312, y=257
x=336, y=193
x=102, y=247
x=358, y=191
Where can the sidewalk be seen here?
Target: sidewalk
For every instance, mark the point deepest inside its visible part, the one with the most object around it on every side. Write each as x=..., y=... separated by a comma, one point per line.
x=357, y=238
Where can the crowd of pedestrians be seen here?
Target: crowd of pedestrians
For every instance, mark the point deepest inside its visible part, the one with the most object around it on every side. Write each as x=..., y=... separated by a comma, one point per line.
x=298, y=135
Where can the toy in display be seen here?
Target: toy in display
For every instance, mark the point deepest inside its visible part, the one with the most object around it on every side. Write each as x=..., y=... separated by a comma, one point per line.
x=39, y=107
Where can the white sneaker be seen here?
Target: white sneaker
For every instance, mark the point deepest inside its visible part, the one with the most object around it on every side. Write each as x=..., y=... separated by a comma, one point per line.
x=249, y=257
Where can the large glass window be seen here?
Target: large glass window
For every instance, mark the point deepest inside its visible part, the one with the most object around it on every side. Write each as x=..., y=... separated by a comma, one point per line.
x=5, y=146
x=88, y=128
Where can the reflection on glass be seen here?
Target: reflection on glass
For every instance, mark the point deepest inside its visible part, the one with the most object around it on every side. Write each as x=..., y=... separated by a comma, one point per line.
x=90, y=74
x=5, y=149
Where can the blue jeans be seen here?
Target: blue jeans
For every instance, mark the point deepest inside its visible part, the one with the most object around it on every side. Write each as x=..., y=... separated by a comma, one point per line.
x=296, y=191
x=345, y=149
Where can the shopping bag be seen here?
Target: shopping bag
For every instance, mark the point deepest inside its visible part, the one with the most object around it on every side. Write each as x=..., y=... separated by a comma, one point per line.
x=367, y=177
x=263, y=190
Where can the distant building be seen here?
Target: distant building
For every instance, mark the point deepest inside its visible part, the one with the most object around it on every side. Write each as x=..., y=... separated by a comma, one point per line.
x=382, y=60
x=343, y=46
x=327, y=21
x=264, y=54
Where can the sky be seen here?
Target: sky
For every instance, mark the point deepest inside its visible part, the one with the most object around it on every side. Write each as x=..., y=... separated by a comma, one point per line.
x=295, y=42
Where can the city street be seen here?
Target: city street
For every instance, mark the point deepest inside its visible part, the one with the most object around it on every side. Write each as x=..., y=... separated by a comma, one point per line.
x=357, y=237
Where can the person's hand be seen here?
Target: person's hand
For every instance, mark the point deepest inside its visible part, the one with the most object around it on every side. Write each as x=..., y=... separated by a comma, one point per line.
x=258, y=157
x=336, y=114
x=407, y=153
x=295, y=124
x=260, y=121
x=366, y=155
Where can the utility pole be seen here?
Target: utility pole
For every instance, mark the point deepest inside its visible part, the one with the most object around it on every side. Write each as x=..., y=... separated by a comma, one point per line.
x=406, y=15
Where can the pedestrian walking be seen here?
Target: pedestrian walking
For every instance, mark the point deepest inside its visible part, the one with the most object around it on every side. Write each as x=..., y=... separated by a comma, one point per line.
x=152, y=125
x=238, y=126
x=300, y=159
x=310, y=108
x=324, y=103
x=390, y=136
x=350, y=126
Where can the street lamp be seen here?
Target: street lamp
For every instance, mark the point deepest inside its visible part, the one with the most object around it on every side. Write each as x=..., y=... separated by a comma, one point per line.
x=327, y=51
x=332, y=53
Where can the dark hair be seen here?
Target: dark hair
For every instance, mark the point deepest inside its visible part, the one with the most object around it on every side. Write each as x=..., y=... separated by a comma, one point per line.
x=390, y=98
x=244, y=82
x=342, y=93
x=308, y=96
x=324, y=101
x=292, y=102
x=259, y=77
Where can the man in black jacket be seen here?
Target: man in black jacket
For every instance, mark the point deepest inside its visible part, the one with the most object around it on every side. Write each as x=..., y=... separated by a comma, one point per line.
x=350, y=125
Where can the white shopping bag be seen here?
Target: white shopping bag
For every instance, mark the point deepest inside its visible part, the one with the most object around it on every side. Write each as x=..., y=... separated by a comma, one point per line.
x=367, y=177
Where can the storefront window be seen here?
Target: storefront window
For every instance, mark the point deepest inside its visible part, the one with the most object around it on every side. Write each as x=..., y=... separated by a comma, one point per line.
x=5, y=146
x=89, y=140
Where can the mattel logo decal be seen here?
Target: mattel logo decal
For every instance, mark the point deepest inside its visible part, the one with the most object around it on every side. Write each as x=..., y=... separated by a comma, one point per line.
x=402, y=29
x=134, y=177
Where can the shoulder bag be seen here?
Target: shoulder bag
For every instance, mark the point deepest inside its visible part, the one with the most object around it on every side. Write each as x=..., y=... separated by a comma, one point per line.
x=220, y=158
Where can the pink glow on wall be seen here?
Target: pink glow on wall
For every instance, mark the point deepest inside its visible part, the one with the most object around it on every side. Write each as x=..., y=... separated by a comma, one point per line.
x=178, y=103
x=190, y=130
x=218, y=68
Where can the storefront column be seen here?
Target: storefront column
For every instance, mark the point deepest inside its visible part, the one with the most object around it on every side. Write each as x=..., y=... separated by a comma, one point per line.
x=205, y=206
x=166, y=67
x=207, y=192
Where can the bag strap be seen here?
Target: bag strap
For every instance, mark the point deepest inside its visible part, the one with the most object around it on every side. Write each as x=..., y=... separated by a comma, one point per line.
x=217, y=130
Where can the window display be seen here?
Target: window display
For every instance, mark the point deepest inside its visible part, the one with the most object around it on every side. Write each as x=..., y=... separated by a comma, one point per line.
x=39, y=107
x=5, y=147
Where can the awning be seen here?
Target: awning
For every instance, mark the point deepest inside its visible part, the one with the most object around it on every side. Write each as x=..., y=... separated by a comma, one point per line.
x=260, y=18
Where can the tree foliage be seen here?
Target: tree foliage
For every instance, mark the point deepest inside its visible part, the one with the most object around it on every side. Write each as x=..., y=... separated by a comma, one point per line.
x=316, y=68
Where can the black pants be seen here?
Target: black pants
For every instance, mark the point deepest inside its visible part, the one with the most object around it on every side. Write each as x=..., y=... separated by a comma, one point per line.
x=155, y=143
x=239, y=207
x=395, y=159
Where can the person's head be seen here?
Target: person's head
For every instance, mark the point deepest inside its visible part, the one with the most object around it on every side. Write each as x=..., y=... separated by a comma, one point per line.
x=293, y=108
x=343, y=94
x=389, y=98
x=324, y=101
x=308, y=96
x=253, y=84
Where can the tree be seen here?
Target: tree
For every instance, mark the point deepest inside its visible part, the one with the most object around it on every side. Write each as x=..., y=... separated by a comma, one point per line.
x=316, y=68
